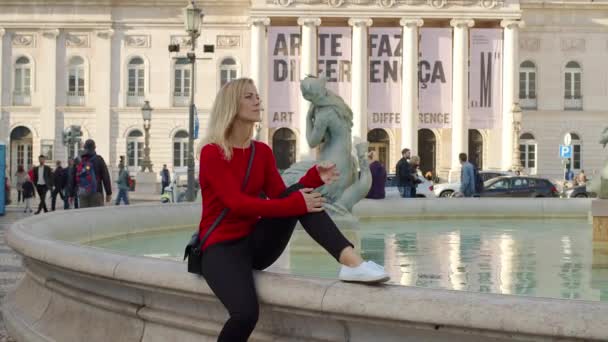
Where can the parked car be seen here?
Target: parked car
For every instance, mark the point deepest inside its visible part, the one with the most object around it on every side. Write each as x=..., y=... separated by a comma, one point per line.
x=579, y=192
x=448, y=189
x=424, y=189
x=517, y=186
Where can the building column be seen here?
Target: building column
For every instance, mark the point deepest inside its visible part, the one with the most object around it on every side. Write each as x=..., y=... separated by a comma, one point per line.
x=259, y=62
x=510, y=87
x=2, y=33
x=409, y=85
x=460, y=92
x=103, y=90
x=49, y=132
x=308, y=66
x=359, y=75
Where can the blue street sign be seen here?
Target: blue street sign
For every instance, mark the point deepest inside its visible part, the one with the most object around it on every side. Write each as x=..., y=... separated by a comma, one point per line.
x=565, y=151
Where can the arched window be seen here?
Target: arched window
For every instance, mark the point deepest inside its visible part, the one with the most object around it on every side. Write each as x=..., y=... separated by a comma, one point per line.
x=136, y=82
x=228, y=71
x=76, y=81
x=572, y=89
x=135, y=149
x=180, y=149
x=23, y=82
x=379, y=142
x=181, y=82
x=527, y=85
x=527, y=153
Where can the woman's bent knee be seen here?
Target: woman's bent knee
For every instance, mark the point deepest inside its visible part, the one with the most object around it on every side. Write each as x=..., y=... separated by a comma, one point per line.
x=246, y=321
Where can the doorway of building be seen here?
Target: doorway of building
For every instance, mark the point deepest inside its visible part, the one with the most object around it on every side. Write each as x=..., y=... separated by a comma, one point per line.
x=476, y=148
x=379, y=142
x=21, y=153
x=427, y=151
x=284, y=148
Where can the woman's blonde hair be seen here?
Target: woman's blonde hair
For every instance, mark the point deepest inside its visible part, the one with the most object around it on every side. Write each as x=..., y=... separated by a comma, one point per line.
x=224, y=111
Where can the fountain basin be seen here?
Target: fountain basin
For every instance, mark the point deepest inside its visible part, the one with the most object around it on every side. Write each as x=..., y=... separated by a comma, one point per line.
x=72, y=291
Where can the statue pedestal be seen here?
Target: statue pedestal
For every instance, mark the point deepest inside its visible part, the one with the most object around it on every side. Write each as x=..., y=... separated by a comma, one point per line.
x=599, y=212
x=146, y=183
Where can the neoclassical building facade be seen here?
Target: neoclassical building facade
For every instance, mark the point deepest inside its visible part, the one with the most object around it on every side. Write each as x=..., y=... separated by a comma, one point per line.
x=437, y=76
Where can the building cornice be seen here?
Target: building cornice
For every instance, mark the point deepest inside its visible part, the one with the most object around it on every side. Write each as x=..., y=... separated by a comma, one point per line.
x=564, y=4
x=116, y=3
x=392, y=14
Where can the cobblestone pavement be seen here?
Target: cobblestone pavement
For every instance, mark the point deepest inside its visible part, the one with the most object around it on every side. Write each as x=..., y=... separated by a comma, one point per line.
x=10, y=263
x=11, y=270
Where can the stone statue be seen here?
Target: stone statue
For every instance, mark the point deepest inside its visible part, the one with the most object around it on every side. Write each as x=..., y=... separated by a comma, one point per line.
x=599, y=184
x=328, y=126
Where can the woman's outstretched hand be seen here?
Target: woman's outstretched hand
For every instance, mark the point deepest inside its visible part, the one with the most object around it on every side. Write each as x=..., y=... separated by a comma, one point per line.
x=328, y=172
x=314, y=200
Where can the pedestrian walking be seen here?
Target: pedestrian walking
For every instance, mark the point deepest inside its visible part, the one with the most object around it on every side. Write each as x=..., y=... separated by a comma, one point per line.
x=71, y=188
x=467, y=176
x=165, y=178
x=256, y=230
x=28, y=194
x=123, y=185
x=20, y=177
x=59, y=179
x=377, y=190
x=415, y=165
x=92, y=178
x=42, y=177
x=405, y=180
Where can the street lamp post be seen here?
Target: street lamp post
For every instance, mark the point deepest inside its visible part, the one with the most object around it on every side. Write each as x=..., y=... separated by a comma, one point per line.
x=193, y=16
x=146, y=113
x=517, y=117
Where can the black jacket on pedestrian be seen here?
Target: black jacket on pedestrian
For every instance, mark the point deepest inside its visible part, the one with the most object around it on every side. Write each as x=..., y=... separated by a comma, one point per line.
x=71, y=186
x=101, y=172
x=48, y=179
x=59, y=178
x=404, y=173
x=28, y=189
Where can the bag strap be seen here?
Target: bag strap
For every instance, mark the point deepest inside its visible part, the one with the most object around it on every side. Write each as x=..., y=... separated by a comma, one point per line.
x=225, y=211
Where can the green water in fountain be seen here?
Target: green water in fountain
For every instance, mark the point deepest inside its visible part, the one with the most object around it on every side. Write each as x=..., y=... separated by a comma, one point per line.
x=531, y=257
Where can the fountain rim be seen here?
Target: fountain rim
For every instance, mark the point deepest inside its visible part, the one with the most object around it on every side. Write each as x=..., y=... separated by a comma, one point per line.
x=37, y=239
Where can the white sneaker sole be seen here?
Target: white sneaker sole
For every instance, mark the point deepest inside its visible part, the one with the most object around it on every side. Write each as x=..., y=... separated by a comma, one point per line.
x=381, y=279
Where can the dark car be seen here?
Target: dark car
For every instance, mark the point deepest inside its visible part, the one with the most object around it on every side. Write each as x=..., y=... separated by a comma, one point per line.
x=516, y=186
x=579, y=192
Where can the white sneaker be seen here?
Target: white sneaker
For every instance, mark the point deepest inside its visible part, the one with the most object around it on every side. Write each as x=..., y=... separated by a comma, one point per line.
x=367, y=272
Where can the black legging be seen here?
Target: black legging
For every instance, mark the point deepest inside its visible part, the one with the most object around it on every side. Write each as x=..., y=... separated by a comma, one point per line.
x=227, y=267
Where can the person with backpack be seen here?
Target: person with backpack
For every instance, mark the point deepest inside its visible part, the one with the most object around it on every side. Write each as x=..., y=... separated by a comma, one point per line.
x=92, y=177
x=467, y=176
x=123, y=184
x=242, y=233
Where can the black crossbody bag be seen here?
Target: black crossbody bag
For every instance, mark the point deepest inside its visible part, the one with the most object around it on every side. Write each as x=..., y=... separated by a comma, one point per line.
x=194, y=248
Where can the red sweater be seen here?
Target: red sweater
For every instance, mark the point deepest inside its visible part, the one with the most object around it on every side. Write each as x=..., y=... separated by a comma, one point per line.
x=221, y=182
